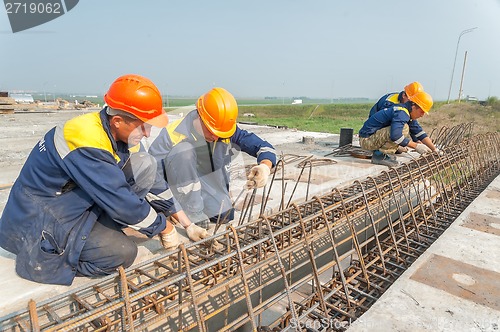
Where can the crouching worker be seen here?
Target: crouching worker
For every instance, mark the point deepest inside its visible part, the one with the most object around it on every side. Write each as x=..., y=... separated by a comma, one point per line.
x=394, y=98
x=195, y=154
x=80, y=186
x=397, y=126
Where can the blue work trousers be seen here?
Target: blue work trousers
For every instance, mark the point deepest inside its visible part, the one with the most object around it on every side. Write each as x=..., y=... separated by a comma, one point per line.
x=107, y=247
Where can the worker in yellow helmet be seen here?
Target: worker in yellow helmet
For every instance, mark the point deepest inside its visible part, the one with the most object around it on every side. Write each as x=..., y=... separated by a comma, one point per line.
x=81, y=185
x=393, y=98
x=195, y=153
x=391, y=127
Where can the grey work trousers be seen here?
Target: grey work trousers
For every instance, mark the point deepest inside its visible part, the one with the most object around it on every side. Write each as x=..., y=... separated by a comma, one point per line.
x=107, y=247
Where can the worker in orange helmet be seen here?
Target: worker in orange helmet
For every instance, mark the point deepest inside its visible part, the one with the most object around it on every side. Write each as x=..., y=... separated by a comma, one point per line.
x=391, y=127
x=81, y=185
x=195, y=153
x=407, y=95
x=394, y=98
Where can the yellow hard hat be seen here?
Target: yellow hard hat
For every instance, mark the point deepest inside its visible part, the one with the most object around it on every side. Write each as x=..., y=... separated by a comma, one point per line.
x=423, y=100
x=413, y=88
x=218, y=111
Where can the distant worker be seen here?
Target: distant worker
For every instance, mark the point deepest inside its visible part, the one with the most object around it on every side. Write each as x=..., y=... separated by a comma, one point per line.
x=80, y=186
x=394, y=98
x=195, y=153
x=391, y=127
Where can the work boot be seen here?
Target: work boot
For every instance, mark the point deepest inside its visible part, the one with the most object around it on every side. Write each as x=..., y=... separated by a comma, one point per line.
x=199, y=218
x=380, y=158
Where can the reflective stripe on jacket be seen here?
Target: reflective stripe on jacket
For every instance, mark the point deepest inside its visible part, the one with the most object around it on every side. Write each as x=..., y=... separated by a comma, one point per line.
x=395, y=117
x=386, y=101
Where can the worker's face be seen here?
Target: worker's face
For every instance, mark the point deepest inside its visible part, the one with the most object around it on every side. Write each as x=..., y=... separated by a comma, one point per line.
x=203, y=130
x=131, y=131
x=416, y=112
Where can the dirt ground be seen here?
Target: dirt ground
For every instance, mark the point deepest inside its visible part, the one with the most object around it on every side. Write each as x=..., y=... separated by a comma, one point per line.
x=22, y=130
x=485, y=118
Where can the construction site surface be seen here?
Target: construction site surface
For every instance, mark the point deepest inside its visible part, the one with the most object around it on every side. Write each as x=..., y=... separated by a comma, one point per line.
x=333, y=242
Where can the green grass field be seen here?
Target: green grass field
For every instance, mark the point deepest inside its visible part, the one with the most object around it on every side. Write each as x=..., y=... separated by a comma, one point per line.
x=321, y=115
x=315, y=117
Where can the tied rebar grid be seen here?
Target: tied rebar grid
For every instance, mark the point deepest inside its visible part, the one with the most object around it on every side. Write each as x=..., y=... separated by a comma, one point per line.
x=330, y=257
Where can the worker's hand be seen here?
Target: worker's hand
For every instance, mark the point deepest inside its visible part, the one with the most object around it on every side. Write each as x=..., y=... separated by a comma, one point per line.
x=258, y=176
x=402, y=149
x=196, y=233
x=439, y=152
x=422, y=148
x=170, y=240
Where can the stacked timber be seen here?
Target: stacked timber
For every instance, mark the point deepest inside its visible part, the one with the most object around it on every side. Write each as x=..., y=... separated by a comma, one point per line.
x=7, y=105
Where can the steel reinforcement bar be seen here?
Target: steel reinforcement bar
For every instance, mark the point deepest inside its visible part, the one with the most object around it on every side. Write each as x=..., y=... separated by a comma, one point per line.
x=330, y=257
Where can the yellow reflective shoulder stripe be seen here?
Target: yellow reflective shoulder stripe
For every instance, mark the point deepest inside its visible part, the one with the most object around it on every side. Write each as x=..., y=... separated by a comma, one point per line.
x=175, y=137
x=399, y=108
x=85, y=131
x=394, y=98
x=135, y=148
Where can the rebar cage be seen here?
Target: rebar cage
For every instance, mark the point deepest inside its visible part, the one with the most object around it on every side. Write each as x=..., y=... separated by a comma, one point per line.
x=330, y=257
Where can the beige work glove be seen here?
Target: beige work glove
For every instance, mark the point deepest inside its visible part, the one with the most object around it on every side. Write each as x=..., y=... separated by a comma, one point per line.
x=439, y=152
x=422, y=148
x=170, y=240
x=258, y=176
x=196, y=233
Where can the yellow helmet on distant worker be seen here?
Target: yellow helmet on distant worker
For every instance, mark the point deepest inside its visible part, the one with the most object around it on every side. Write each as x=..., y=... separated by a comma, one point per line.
x=413, y=88
x=423, y=100
x=218, y=110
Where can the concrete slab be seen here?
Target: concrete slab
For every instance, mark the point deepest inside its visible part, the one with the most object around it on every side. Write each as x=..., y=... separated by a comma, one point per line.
x=453, y=286
x=409, y=305
x=461, y=279
x=483, y=223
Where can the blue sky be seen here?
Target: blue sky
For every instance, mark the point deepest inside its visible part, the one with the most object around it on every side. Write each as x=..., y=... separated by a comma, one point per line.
x=322, y=48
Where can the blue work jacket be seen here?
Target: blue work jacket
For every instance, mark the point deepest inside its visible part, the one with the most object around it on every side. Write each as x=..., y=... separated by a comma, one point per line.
x=396, y=117
x=71, y=177
x=387, y=101
x=219, y=153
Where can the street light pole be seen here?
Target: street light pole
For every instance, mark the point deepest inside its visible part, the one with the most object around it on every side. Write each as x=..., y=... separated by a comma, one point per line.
x=462, y=79
x=455, y=61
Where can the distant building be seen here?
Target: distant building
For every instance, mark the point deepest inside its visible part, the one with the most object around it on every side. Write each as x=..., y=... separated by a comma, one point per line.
x=296, y=101
x=22, y=98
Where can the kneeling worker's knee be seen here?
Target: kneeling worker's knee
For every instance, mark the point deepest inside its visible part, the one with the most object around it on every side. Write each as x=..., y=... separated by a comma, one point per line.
x=126, y=255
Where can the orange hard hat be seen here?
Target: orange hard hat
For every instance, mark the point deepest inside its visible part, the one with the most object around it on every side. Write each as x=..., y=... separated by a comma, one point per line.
x=218, y=110
x=138, y=96
x=423, y=100
x=413, y=88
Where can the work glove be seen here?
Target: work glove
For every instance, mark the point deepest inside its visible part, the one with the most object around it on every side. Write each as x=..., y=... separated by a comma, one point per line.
x=170, y=240
x=422, y=148
x=258, y=176
x=439, y=152
x=196, y=233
